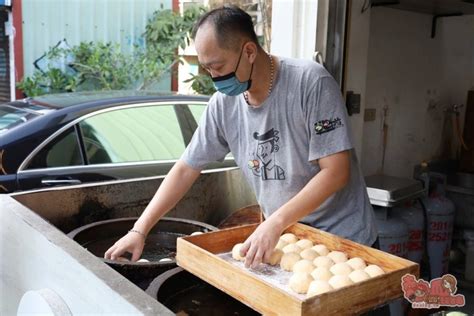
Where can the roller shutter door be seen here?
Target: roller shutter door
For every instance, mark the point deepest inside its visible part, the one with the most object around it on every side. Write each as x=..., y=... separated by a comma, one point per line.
x=4, y=59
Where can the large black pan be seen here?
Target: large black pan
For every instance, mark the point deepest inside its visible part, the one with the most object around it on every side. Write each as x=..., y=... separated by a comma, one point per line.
x=186, y=294
x=160, y=244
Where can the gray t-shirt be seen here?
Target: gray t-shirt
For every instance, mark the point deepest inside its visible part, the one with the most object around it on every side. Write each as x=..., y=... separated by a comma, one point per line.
x=277, y=146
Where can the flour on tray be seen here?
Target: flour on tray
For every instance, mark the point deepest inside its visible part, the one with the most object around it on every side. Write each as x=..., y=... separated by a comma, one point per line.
x=270, y=274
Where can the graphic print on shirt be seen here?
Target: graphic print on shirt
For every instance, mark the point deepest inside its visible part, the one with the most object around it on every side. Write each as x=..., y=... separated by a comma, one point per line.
x=263, y=163
x=328, y=125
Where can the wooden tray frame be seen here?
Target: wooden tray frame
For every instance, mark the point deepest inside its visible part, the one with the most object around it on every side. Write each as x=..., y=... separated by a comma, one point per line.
x=197, y=254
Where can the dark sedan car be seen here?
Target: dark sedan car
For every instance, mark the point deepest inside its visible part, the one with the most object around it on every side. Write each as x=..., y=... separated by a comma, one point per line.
x=86, y=137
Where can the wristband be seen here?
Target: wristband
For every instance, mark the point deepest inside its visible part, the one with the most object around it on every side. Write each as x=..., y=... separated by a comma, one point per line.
x=138, y=232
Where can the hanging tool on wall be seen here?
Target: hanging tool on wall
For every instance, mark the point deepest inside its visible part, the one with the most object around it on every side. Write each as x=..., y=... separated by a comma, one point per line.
x=452, y=140
x=384, y=134
x=457, y=126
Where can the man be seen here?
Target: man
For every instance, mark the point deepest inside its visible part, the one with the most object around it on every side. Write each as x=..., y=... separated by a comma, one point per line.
x=285, y=123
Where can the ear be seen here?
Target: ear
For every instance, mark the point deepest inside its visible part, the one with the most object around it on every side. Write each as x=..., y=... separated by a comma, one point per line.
x=250, y=51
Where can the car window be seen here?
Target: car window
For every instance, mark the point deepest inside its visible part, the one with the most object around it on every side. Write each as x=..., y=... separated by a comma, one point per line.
x=197, y=111
x=133, y=134
x=11, y=116
x=62, y=151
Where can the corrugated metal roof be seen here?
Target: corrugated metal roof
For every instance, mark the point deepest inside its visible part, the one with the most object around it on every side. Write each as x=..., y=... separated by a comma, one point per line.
x=47, y=22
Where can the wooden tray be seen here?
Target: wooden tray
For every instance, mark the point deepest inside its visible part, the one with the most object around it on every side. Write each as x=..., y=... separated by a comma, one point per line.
x=198, y=255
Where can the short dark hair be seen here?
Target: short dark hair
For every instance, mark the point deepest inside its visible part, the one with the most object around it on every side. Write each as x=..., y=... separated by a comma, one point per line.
x=228, y=20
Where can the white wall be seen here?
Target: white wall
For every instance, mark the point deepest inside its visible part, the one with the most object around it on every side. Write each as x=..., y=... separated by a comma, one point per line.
x=415, y=78
x=294, y=28
x=356, y=67
x=457, y=48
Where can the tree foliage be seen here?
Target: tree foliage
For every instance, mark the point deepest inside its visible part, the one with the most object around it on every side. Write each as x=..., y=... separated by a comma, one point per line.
x=104, y=66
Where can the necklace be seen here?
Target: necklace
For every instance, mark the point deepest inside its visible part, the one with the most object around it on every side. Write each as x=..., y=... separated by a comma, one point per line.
x=270, y=86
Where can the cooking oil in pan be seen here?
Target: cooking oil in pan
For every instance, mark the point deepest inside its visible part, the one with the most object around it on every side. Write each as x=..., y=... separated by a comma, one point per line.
x=158, y=246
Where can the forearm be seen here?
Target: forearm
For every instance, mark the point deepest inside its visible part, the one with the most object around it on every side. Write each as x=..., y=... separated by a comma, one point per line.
x=327, y=182
x=173, y=188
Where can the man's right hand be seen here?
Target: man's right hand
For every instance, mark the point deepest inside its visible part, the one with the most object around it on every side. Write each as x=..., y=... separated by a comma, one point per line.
x=174, y=187
x=132, y=243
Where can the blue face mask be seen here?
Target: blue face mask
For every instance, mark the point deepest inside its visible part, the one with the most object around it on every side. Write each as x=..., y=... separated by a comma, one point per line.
x=229, y=84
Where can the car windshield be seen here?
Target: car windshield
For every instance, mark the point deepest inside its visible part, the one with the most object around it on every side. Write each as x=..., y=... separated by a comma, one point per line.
x=11, y=116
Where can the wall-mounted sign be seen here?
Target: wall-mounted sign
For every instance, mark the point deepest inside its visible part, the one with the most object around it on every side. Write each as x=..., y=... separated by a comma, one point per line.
x=6, y=2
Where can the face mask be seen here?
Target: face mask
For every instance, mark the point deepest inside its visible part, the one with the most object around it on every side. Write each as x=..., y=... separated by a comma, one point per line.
x=229, y=84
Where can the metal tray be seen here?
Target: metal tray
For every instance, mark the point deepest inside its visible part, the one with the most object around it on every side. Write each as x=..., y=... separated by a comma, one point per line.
x=389, y=191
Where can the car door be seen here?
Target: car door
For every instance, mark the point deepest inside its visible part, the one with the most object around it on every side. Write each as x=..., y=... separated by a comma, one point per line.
x=125, y=142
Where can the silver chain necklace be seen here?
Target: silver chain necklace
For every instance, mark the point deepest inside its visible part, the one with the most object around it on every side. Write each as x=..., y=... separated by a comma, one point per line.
x=270, y=87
